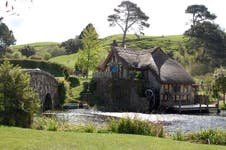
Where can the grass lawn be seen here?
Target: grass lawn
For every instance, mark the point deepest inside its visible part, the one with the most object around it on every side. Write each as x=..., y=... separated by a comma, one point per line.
x=67, y=60
x=21, y=139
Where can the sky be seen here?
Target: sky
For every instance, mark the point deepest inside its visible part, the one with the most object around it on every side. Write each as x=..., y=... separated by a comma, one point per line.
x=60, y=20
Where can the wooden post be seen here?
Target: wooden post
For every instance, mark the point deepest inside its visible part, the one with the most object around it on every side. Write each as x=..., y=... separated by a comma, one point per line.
x=207, y=103
x=218, y=105
x=179, y=105
x=200, y=104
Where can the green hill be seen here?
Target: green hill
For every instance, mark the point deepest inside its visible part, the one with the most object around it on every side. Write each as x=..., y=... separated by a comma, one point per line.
x=44, y=50
x=167, y=43
x=38, y=45
x=67, y=60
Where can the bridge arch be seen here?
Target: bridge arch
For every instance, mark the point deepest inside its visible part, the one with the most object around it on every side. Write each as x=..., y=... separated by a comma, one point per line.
x=46, y=86
x=47, y=103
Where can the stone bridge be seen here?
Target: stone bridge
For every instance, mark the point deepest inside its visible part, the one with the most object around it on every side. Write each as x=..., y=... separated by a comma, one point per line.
x=46, y=86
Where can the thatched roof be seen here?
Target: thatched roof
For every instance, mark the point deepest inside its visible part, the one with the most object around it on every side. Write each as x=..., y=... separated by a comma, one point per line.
x=165, y=68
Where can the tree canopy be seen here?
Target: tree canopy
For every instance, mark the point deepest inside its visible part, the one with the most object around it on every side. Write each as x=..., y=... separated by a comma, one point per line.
x=219, y=78
x=6, y=37
x=88, y=55
x=72, y=45
x=18, y=101
x=199, y=13
x=127, y=16
x=205, y=34
x=27, y=51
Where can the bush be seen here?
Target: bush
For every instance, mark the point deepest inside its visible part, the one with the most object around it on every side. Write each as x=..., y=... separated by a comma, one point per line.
x=179, y=136
x=64, y=91
x=135, y=126
x=209, y=136
x=73, y=81
x=45, y=123
x=18, y=101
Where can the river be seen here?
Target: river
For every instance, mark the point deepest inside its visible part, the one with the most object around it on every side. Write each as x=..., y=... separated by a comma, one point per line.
x=171, y=122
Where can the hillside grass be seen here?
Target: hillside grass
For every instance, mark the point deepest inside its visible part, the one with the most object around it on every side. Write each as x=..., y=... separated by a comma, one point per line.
x=67, y=60
x=20, y=139
x=38, y=45
x=44, y=50
x=167, y=43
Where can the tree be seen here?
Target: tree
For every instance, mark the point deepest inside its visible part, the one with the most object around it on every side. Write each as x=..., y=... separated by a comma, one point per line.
x=88, y=55
x=204, y=34
x=199, y=13
x=219, y=78
x=126, y=16
x=18, y=101
x=210, y=36
x=72, y=45
x=6, y=37
x=27, y=51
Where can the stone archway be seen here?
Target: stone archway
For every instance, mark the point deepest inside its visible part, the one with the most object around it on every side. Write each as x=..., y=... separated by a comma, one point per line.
x=47, y=104
x=46, y=86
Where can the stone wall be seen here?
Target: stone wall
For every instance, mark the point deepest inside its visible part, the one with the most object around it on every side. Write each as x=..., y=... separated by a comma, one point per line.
x=44, y=84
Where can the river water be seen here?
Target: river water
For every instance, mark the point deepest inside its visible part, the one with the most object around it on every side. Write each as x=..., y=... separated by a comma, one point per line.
x=171, y=122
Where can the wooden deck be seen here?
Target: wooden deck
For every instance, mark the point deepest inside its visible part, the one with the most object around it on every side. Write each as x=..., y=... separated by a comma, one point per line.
x=196, y=107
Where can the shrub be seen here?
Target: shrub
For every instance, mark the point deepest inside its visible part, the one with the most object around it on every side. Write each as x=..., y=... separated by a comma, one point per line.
x=64, y=92
x=135, y=126
x=18, y=101
x=73, y=81
x=45, y=123
x=209, y=136
x=179, y=136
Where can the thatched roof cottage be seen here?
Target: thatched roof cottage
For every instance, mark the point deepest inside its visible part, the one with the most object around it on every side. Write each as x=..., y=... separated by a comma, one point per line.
x=166, y=81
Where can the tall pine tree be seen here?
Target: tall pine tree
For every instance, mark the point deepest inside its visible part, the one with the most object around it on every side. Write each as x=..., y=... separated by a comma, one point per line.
x=88, y=55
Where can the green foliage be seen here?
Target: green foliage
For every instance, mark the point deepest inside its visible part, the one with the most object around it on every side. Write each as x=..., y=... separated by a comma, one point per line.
x=199, y=13
x=44, y=50
x=128, y=16
x=65, y=92
x=72, y=45
x=135, y=126
x=88, y=56
x=62, y=89
x=27, y=51
x=205, y=35
x=219, y=78
x=6, y=37
x=90, y=128
x=74, y=81
x=53, y=68
x=223, y=106
x=179, y=136
x=18, y=101
x=45, y=123
x=209, y=136
x=143, y=43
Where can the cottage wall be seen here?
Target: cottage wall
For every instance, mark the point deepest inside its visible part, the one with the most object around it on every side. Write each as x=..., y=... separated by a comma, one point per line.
x=121, y=95
x=153, y=82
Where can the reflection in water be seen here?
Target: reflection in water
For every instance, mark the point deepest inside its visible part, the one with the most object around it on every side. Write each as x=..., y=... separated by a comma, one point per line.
x=172, y=122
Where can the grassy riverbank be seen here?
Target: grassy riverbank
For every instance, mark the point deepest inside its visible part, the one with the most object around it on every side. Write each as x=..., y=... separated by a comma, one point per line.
x=17, y=138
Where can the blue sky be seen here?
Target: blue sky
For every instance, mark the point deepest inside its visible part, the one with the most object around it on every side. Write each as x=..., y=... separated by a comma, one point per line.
x=59, y=20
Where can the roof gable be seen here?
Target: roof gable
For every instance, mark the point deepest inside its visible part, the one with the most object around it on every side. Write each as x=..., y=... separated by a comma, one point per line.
x=164, y=67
